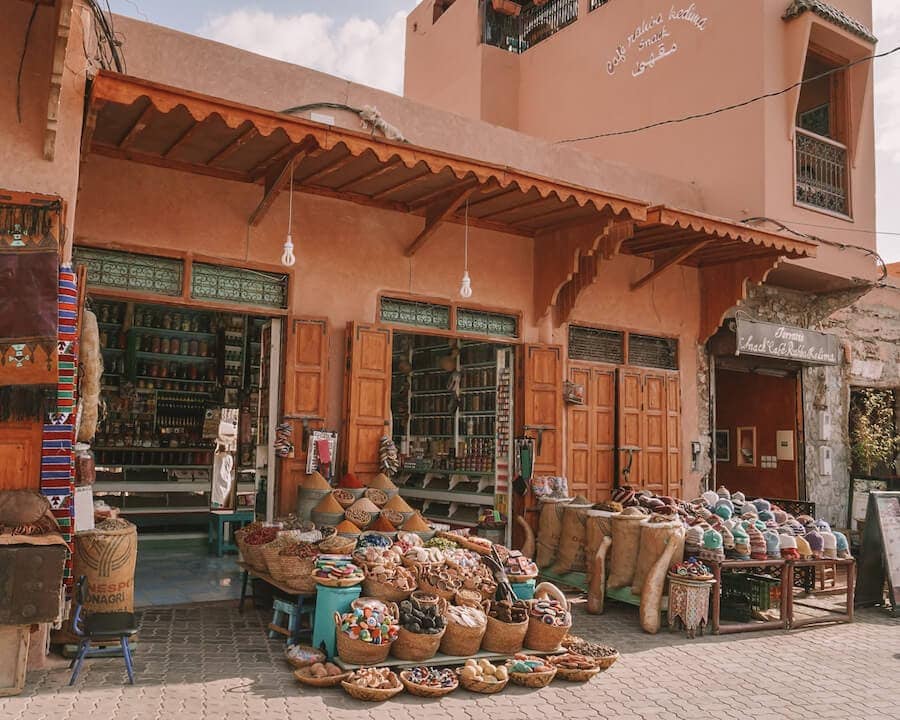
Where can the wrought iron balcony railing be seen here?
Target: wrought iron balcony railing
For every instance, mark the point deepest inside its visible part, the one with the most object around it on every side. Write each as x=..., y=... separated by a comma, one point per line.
x=822, y=174
x=533, y=24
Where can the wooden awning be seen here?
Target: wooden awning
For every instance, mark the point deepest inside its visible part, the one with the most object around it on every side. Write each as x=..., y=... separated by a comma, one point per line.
x=159, y=125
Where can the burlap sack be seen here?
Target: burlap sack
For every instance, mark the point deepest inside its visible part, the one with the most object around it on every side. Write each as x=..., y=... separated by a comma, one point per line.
x=107, y=559
x=22, y=507
x=570, y=555
x=549, y=531
x=597, y=526
x=626, y=543
x=654, y=538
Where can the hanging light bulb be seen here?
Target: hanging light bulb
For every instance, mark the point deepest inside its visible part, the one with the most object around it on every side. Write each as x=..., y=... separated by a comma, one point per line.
x=465, y=288
x=287, y=257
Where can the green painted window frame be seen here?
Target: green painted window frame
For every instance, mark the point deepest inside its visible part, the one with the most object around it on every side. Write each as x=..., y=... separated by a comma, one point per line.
x=238, y=286
x=133, y=272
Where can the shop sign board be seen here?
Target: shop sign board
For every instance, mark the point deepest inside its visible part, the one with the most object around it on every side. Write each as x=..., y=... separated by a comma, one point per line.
x=785, y=342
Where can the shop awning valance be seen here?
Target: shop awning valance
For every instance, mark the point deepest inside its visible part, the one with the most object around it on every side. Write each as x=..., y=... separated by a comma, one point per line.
x=160, y=125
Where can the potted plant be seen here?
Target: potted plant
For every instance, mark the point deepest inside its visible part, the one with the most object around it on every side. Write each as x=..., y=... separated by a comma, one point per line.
x=506, y=7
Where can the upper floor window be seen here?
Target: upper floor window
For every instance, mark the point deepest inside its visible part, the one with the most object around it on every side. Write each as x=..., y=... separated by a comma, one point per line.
x=821, y=159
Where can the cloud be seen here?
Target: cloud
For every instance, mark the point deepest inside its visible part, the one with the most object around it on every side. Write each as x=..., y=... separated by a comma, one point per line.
x=887, y=131
x=359, y=49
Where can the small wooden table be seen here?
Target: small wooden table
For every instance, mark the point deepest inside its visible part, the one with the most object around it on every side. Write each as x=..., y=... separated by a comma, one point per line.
x=689, y=603
x=832, y=616
x=781, y=567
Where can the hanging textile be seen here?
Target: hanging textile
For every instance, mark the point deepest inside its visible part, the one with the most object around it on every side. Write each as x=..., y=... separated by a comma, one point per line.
x=29, y=269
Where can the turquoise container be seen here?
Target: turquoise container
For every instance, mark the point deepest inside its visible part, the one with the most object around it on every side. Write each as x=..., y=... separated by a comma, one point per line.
x=329, y=601
x=525, y=590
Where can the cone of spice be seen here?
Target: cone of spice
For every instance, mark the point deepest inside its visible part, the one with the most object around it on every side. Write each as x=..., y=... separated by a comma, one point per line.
x=399, y=505
x=328, y=511
x=383, y=482
x=418, y=525
x=363, y=512
x=316, y=481
x=347, y=529
x=382, y=524
x=352, y=485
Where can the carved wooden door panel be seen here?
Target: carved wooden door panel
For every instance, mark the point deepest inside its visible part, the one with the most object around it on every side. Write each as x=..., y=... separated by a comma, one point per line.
x=542, y=381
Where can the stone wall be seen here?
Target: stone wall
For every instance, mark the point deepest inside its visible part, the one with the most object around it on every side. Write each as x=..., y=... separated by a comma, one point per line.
x=868, y=325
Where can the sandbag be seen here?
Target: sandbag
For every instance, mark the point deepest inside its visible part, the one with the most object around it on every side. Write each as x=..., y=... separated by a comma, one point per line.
x=652, y=591
x=90, y=374
x=654, y=538
x=626, y=543
x=22, y=507
x=549, y=531
x=570, y=555
x=596, y=527
x=597, y=586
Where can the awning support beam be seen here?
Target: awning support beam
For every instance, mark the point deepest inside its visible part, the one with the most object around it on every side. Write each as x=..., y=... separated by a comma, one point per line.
x=439, y=212
x=663, y=263
x=276, y=179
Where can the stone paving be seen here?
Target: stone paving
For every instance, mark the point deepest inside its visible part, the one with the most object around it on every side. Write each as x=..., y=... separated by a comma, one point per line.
x=209, y=662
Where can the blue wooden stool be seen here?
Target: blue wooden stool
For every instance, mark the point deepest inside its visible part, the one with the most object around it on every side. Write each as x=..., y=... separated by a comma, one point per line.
x=286, y=617
x=218, y=541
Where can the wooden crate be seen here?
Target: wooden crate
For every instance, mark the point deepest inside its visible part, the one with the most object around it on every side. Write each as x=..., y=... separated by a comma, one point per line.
x=13, y=647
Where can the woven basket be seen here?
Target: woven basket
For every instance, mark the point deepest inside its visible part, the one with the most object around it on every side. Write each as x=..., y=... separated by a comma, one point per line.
x=269, y=555
x=344, y=497
x=296, y=573
x=327, y=519
x=340, y=582
x=319, y=656
x=478, y=686
x=304, y=677
x=533, y=680
x=370, y=694
x=504, y=638
x=467, y=597
x=570, y=675
x=424, y=691
x=460, y=640
x=423, y=600
x=430, y=589
x=357, y=652
x=416, y=646
x=337, y=545
x=254, y=558
x=238, y=536
x=384, y=591
x=360, y=518
x=307, y=500
x=543, y=637
x=605, y=663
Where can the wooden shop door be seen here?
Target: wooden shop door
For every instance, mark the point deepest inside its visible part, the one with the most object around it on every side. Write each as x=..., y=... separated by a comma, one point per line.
x=367, y=396
x=20, y=455
x=305, y=398
x=542, y=402
x=649, y=418
x=591, y=432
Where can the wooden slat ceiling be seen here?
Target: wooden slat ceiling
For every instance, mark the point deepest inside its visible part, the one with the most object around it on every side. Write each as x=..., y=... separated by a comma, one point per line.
x=150, y=123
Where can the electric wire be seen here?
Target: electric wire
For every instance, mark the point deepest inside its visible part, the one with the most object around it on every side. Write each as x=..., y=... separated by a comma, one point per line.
x=28, y=27
x=735, y=106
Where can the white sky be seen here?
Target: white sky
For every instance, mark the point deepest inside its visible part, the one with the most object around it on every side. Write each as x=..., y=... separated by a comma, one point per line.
x=363, y=40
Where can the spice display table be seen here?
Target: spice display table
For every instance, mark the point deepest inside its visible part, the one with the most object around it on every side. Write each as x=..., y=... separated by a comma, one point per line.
x=832, y=616
x=302, y=599
x=689, y=603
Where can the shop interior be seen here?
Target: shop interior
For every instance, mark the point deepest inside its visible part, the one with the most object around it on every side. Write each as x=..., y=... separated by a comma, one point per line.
x=757, y=416
x=167, y=369
x=451, y=404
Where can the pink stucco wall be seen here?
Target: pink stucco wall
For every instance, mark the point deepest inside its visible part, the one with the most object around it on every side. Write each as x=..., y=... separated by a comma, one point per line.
x=741, y=162
x=22, y=164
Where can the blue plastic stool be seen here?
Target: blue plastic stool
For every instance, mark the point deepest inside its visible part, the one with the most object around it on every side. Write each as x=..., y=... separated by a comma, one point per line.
x=525, y=590
x=329, y=601
x=217, y=541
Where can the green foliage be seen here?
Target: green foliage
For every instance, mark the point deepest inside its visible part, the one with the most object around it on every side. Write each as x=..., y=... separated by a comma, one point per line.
x=873, y=435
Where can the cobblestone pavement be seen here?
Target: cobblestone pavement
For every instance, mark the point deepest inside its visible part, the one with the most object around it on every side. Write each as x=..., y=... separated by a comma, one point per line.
x=209, y=662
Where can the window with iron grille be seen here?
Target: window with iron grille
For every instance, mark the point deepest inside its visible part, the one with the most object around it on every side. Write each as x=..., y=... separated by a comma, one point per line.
x=487, y=323
x=238, y=285
x=596, y=345
x=414, y=313
x=131, y=271
x=652, y=352
x=597, y=3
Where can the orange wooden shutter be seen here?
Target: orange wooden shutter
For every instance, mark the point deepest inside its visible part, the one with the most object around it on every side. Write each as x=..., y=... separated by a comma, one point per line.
x=305, y=391
x=673, y=435
x=367, y=396
x=542, y=382
x=629, y=421
x=591, y=432
x=654, y=453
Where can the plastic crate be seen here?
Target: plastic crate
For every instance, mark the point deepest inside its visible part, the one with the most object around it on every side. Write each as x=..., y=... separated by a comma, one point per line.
x=763, y=591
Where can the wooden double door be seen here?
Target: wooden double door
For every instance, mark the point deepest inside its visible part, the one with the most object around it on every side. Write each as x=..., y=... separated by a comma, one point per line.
x=624, y=407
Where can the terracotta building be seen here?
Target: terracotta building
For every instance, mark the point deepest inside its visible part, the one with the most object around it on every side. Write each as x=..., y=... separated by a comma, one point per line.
x=605, y=273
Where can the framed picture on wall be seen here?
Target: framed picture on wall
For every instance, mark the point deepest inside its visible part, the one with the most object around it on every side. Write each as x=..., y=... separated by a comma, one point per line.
x=746, y=447
x=723, y=446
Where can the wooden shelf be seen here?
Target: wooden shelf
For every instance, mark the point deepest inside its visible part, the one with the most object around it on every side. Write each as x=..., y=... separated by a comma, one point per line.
x=174, y=356
x=180, y=333
x=138, y=448
x=162, y=487
x=450, y=496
